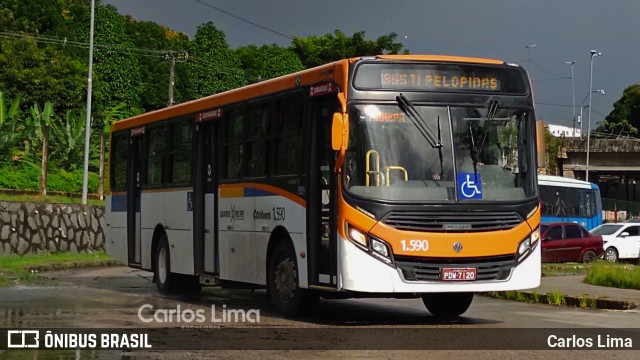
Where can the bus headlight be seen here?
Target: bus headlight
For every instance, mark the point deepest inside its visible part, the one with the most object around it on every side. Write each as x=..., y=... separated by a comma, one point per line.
x=375, y=247
x=526, y=245
x=380, y=250
x=357, y=236
x=379, y=247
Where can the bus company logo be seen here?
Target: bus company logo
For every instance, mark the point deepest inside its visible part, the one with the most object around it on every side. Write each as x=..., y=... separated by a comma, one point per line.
x=232, y=214
x=456, y=227
x=261, y=215
x=23, y=339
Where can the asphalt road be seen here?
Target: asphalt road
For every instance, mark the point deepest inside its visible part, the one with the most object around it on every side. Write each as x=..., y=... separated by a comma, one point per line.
x=232, y=323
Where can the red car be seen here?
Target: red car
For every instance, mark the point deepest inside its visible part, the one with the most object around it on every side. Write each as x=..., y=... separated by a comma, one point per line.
x=566, y=241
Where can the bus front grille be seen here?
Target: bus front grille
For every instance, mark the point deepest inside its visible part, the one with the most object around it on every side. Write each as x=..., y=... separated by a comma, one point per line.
x=428, y=269
x=450, y=221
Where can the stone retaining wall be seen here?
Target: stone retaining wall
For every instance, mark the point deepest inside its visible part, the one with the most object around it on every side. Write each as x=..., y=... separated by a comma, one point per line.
x=30, y=228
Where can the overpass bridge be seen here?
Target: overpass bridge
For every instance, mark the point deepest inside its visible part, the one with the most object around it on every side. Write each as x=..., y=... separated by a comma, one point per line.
x=613, y=164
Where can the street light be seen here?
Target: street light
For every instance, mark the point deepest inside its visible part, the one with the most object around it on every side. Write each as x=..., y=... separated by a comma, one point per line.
x=594, y=53
x=573, y=96
x=530, y=47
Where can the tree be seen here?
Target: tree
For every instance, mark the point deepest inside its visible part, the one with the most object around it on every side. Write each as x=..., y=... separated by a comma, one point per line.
x=553, y=146
x=213, y=67
x=116, y=70
x=40, y=74
x=267, y=62
x=34, y=17
x=318, y=50
x=160, y=43
x=625, y=117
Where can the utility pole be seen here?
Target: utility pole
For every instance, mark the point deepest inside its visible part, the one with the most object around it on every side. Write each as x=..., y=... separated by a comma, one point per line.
x=172, y=57
x=87, y=130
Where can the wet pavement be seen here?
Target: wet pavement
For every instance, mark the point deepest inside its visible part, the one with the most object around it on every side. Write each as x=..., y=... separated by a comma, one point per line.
x=113, y=297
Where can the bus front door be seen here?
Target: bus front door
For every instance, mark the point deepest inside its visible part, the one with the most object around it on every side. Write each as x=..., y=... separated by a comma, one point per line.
x=205, y=244
x=133, y=200
x=322, y=210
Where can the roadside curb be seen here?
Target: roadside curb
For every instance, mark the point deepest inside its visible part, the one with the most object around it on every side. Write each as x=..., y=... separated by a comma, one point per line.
x=559, y=299
x=71, y=265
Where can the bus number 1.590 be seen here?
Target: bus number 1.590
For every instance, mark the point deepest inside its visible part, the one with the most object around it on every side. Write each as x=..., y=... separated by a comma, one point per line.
x=279, y=213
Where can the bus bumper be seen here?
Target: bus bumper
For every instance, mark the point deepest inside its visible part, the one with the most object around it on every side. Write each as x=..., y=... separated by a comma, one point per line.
x=361, y=272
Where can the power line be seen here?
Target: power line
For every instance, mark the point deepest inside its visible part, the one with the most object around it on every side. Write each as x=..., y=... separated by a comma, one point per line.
x=244, y=20
x=157, y=54
x=549, y=72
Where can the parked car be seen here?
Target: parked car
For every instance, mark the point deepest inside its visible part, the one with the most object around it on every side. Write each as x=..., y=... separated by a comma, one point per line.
x=567, y=241
x=621, y=240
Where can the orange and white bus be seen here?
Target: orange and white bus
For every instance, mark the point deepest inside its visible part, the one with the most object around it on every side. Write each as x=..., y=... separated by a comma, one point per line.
x=384, y=176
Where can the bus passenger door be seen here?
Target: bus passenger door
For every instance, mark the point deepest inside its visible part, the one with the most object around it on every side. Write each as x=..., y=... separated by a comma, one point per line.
x=322, y=210
x=204, y=202
x=133, y=200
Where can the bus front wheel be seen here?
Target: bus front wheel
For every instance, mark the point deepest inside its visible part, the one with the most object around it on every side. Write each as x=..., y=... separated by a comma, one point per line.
x=162, y=270
x=284, y=291
x=447, y=305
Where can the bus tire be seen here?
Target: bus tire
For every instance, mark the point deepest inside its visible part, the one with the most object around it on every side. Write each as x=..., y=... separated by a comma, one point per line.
x=283, y=283
x=165, y=280
x=589, y=257
x=447, y=305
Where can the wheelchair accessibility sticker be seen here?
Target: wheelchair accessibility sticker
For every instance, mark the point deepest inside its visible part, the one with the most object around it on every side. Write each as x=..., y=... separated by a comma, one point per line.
x=469, y=186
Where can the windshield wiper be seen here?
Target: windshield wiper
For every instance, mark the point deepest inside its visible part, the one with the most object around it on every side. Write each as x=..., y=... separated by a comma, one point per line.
x=422, y=126
x=419, y=122
x=475, y=150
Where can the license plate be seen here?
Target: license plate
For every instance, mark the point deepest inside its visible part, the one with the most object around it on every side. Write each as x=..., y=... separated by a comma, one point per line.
x=458, y=274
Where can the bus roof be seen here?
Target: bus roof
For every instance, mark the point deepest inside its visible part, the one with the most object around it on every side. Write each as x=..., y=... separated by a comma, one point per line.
x=336, y=71
x=553, y=180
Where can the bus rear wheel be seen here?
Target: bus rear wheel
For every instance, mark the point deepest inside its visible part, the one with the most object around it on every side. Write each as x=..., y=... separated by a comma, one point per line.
x=447, y=305
x=162, y=270
x=283, y=283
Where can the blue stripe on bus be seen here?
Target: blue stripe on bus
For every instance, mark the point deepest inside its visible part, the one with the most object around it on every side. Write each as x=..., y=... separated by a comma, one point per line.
x=119, y=203
x=253, y=192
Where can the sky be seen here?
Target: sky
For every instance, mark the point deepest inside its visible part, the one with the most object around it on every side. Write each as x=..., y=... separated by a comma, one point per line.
x=562, y=31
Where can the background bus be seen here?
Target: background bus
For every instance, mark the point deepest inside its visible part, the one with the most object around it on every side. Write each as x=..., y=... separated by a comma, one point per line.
x=564, y=199
x=338, y=181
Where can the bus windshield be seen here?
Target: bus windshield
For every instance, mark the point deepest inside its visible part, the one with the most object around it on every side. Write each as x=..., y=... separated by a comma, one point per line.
x=408, y=152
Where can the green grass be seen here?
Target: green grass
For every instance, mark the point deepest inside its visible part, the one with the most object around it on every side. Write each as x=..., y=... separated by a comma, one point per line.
x=55, y=199
x=620, y=276
x=560, y=269
x=556, y=298
x=16, y=269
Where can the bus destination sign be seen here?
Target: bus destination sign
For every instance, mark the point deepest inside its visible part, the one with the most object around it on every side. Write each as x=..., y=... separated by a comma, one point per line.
x=436, y=80
x=439, y=78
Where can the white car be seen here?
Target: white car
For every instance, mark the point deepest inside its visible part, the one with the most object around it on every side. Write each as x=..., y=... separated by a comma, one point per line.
x=621, y=240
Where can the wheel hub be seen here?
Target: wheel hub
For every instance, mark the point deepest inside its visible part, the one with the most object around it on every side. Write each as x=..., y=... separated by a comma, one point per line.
x=286, y=279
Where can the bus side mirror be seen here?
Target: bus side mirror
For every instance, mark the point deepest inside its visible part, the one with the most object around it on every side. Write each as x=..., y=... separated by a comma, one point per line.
x=339, y=132
x=340, y=136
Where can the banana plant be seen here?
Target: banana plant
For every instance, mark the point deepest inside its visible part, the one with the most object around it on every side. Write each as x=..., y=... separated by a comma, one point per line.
x=69, y=138
x=9, y=138
x=41, y=121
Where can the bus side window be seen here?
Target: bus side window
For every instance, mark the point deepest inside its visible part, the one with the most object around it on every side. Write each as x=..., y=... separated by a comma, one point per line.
x=231, y=144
